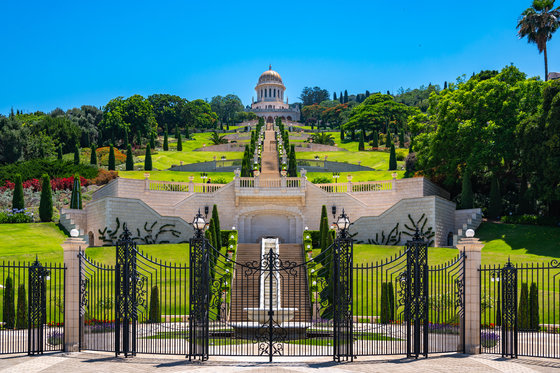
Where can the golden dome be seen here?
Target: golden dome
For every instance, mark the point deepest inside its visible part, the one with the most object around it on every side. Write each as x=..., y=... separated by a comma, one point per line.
x=270, y=76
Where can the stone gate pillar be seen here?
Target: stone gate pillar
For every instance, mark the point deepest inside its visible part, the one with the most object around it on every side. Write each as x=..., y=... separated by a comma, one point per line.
x=472, y=248
x=72, y=247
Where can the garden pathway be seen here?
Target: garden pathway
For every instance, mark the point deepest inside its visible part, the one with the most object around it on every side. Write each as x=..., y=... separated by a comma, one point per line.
x=269, y=155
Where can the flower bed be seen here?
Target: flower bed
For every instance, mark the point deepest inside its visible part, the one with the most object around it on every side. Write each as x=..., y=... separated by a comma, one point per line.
x=10, y=216
x=489, y=339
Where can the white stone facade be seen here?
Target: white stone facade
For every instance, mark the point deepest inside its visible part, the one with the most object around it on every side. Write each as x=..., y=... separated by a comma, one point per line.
x=270, y=102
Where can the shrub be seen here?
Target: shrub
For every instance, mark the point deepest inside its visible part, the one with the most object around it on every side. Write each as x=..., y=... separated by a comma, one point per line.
x=93, y=156
x=46, y=204
x=8, y=310
x=55, y=338
x=523, y=310
x=531, y=220
x=534, y=307
x=219, y=180
x=321, y=180
x=148, y=159
x=129, y=159
x=179, y=142
x=111, y=163
x=392, y=159
x=155, y=311
x=34, y=169
x=400, y=154
x=165, y=141
x=16, y=216
x=21, y=317
x=489, y=339
x=361, y=143
x=17, y=198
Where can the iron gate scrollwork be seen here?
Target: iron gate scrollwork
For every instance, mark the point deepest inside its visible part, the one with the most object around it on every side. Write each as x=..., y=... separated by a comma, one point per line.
x=509, y=310
x=199, y=297
x=37, y=307
x=416, y=298
x=343, y=302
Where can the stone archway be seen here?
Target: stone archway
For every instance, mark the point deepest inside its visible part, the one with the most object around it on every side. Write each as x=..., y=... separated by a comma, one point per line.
x=269, y=120
x=289, y=117
x=278, y=221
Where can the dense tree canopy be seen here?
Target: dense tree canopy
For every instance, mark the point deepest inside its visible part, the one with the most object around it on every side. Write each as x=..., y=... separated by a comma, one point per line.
x=315, y=95
x=379, y=112
x=226, y=107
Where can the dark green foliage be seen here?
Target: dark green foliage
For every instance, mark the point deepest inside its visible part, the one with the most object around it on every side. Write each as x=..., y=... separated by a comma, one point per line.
x=341, y=134
x=387, y=302
x=129, y=159
x=8, y=310
x=392, y=159
x=495, y=205
x=148, y=159
x=93, y=156
x=375, y=140
x=17, y=199
x=216, y=218
x=152, y=141
x=389, y=140
x=139, y=138
x=498, y=315
x=35, y=168
x=59, y=153
x=523, y=317
x=76, y=198
x=187, y=135
x=391, y=297
x=292, y=163
x=401, y=139
x=466, y=191
x=21, y=315
x=77, y=154
x=361, y=143
x=534, y=307
x=111, y=162
x=179, y=142
x=155, y=310
x=165, y=142
x=46, y=204
x=324, y=234
x=411, y=145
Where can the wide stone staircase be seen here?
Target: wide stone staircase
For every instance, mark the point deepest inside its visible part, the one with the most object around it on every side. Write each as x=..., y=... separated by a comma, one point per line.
x=293, y=280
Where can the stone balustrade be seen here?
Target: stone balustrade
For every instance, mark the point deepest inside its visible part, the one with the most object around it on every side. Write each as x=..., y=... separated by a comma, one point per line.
x=366, y=186
x=186, y=187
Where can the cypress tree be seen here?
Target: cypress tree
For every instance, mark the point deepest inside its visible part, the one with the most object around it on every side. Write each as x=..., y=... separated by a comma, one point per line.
x=495, y=205
x=139, y=138
x=391, y=295
x=187, y=135
x=292, y=164
x=389, y=140
x=324, y=234
x=126, y=138
x=21, y=314
x=523, y=310
x=76, y=198
x=392, y=159
x=534, y=307
x=341, y=134
x=111, y=165
x=179, y=142
x=59, y=153
x=93, y=156
x=152, y=141
x=17, y=199
x=323, y=216
x=76, y=155
x=384, y=316
x=165, y=141
x=341, y=98
x=148, y=159
x=401, y=139
x=375, y=140
x=129, y=159
x=411, y=145
x=361, y=143
x=8, y=306
x=155, y=310
x=46, y=204
x=216, y=218
x=334, y=96
x=498, y=315
x=345, y=96
x=466, y=191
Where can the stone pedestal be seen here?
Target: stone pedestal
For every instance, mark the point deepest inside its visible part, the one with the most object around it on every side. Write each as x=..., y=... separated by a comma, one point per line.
x=472, y=248
x=72, y=247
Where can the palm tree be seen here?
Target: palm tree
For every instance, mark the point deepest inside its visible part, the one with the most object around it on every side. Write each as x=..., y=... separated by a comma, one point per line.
x=217, y=139
x=538, y=23
x=323, y=138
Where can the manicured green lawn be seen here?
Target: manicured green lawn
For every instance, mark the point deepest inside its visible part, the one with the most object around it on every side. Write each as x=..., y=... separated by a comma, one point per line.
x=174, y=253
x=175, y=175
x=358, y=176
x=376, y=160
x=23, y=242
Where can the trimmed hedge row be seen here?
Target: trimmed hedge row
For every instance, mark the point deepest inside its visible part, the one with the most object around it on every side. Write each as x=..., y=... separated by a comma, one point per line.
x=35, y=169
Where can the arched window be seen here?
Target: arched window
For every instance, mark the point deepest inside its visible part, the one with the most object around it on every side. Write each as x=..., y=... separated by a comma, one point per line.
x=274, y=92
x=270, y=92
x=265, y=92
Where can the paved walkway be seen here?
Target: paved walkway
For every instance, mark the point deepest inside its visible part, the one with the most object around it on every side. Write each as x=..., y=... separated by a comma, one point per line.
x=269, y=155
x=106, y=362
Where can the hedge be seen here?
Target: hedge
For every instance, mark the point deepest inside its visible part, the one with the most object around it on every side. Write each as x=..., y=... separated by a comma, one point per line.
x=34, y=169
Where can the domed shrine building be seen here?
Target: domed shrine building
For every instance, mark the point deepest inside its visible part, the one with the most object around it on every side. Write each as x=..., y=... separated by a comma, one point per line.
x=270, y=102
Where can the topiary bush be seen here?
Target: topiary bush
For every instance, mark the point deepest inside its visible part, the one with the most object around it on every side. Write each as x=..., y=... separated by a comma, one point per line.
x=8, y=309
x=21, y=316
x=534, y=307
x=93, y=156
x=148, y=159
x=76, y=197
x=77, y=155
x=392, y=159
x=46, y=204
x=155, y=310
x=111, y=163
x=129, y=159
x=523, y=318
x=17, y=199
x=35, y=169
x=165, y=141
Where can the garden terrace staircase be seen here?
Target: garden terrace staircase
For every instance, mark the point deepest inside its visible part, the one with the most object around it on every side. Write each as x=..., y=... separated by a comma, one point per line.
x=294, y=288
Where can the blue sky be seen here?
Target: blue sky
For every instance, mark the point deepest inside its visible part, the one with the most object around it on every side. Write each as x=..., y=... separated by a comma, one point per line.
x=66, y=54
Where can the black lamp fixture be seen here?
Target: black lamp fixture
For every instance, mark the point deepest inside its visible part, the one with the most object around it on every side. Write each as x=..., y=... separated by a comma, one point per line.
x=206, y=210
x=199, y=224
x=343, y=223
x=333, y=209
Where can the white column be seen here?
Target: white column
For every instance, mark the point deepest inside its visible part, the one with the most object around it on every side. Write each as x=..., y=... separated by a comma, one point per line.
x=71, y=248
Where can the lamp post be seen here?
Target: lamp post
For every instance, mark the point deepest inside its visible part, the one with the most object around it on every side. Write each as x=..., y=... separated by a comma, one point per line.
x=342, y=224
x=199, y=224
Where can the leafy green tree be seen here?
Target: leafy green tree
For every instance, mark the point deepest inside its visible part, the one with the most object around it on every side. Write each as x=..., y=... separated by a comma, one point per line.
x=76, y=154
x=21, y=315
x=168, y=110
x=93, y=156
x=537, y=24
x=129, y=159
x=17, y=199
x=111, y=161
x=8, y=306
x=148, y=159
x=495, y=206
x=165, y=141
x=375, y=140
x=187, y=135
x=361, y=143
x=392, y=159
x=226, y=107
x=154, y=315
x=134, y=115
x=401, y=139
x=341, y=135
x=466, y=191
x=324, y=138
x=46, y=204
x=216, y=139
x=315, y=95
x=76, y=197
x=59, y=152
